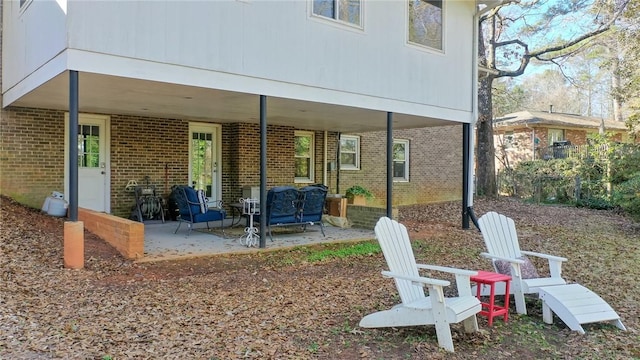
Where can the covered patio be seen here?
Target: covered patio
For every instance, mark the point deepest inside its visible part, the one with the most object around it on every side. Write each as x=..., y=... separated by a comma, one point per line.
x=160, y=243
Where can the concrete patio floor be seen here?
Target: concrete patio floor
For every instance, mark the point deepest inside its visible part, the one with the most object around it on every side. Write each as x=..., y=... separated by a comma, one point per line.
x=160, y=243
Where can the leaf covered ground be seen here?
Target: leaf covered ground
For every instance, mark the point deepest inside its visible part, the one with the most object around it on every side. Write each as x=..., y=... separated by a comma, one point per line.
x=284, y=305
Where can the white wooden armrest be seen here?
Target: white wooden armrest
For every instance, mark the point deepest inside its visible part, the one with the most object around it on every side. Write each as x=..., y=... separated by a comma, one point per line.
x=419, y=281
x=434, y=284
x=544, y=256
x=555, y=262
x=447, y=269
x=495, y=257
x=463, y=277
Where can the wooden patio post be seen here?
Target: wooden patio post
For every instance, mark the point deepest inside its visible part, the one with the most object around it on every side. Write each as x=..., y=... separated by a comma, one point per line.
x=73, y=229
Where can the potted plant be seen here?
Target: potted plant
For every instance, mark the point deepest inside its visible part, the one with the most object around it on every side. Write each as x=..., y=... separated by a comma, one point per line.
x=358, y=195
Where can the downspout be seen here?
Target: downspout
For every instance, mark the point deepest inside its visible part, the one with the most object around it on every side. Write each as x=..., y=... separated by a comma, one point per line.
x=533, y=143
x=338, y=164
x=470, y=183
x=390, y=165
x=469, y=189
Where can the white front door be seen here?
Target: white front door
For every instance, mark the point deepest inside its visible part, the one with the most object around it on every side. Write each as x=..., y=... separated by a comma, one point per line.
x=204, y=159
x=93, y=162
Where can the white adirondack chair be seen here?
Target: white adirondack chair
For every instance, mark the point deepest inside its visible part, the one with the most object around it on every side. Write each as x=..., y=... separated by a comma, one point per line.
x=501, y=240
x=416, y=308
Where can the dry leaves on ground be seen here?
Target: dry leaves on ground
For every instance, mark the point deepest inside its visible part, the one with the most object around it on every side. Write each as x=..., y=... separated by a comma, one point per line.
x=278, y=305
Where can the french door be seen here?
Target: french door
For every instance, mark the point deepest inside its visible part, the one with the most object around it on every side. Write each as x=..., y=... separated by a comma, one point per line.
x=204, y=162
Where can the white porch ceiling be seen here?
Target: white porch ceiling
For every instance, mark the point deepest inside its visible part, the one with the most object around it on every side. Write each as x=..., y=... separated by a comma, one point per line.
x=118, y=95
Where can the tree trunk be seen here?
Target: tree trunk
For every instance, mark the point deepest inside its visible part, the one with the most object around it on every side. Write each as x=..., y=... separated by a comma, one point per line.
x=616, y=87
x=485, y=155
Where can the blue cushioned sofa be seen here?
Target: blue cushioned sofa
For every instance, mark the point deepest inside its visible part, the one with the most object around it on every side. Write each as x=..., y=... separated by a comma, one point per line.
x=287, y=205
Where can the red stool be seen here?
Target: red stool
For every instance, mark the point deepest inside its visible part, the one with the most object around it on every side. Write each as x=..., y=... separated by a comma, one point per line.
x=490, y=278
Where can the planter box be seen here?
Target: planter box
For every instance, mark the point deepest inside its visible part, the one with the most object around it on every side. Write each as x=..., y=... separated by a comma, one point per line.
x=358, y=200
x=337, y=206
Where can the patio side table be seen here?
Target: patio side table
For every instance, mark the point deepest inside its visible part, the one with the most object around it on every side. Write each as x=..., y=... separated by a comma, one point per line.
x=490, y=279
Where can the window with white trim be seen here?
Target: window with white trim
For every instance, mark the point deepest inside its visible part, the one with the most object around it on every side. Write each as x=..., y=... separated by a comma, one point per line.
x=349, y=152
x=304, y=157
x=555, y=135
x=400, y=160
x=346, y=11
x=425, y=23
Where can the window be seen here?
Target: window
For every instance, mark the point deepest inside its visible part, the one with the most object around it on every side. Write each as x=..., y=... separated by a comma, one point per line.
x=24, y=4
x=202, y=161
x=304, y=158
x=401, y=160
x=509, y=140
x=347, y=11
x=349, y=152
x=425, y=23
x=555, y=135
x=88, y=146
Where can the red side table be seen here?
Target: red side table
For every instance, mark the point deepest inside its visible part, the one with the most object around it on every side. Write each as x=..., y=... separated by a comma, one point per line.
x=490, y=279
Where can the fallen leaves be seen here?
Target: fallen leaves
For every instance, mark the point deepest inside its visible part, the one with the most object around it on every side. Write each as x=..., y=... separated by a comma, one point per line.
x=259, y=306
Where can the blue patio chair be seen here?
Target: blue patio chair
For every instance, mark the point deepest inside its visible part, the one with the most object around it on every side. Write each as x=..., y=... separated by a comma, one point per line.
x=191, y=209
x=311, y=206
x=282, y=207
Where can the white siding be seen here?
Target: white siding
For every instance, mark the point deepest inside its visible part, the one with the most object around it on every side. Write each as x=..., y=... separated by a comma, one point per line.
x=30, y=38
x=278, y=40
x=259, y=39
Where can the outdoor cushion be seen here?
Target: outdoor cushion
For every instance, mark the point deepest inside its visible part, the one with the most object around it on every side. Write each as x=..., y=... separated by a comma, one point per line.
x=528, y=270
x=202, y=199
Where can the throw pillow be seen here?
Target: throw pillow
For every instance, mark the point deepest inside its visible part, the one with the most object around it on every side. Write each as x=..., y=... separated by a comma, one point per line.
x=527, y=270
x=202, y=199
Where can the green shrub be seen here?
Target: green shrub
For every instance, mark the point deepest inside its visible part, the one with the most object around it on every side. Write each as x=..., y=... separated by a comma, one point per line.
x=627, y=196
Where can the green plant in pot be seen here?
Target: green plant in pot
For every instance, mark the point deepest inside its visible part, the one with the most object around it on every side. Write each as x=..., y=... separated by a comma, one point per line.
x=358, y=195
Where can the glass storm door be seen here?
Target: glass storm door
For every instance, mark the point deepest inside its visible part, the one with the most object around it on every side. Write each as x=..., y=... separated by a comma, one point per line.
x=203, y=159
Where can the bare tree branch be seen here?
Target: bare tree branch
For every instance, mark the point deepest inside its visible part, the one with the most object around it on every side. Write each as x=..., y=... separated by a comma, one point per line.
x=540, y=54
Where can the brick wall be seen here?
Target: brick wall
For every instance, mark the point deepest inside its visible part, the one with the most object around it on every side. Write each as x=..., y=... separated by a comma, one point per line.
x=435, y=166
x=520, y=150
x=31, y=154
x=366, y=217
x=153, y=147
x=124, y=235
x=241, y=157
x=577, y=137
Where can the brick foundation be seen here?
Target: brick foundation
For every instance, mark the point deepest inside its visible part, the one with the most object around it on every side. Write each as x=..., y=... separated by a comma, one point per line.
x=366, y=217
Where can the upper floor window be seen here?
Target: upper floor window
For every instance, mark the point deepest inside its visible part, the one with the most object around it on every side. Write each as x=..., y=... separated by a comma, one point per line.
x=349, y=152
x=304, y=157
x=348, y=11
x=401, y=160
x=425, y=23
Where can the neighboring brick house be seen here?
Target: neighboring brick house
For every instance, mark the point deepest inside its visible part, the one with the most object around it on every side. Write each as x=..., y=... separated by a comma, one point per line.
x=531, y=135
x=181, y=102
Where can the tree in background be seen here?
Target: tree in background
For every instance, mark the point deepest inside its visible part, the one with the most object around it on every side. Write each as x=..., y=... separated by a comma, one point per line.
x=629, y=65
x=514, y=34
